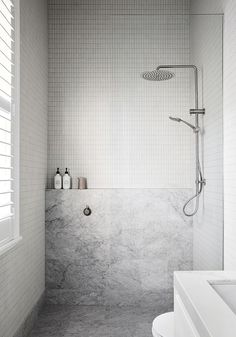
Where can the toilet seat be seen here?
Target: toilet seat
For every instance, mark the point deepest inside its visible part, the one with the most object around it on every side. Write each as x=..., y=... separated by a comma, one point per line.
x=163, y=325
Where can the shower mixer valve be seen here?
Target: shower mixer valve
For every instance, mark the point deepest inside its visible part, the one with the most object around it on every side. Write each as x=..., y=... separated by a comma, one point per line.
x=202, y=182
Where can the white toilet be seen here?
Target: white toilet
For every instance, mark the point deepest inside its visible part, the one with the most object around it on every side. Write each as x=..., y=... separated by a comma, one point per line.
x=163, y=325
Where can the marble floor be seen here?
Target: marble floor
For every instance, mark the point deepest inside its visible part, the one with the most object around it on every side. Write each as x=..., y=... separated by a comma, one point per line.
x=93, y=321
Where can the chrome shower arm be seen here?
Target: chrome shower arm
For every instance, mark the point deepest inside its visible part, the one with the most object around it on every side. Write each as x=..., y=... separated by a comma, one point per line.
x=185, y=66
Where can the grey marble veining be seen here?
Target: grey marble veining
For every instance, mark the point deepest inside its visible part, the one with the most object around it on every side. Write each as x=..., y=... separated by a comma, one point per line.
x=123, y=254
x=94, y=321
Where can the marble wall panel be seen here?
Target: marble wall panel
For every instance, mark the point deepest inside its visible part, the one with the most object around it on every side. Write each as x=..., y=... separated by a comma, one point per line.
x=124, y=253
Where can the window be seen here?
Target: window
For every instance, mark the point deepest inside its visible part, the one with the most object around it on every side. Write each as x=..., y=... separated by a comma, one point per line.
x=9, y=123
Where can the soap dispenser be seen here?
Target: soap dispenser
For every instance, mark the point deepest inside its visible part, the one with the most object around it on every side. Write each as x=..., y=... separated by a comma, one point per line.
x=66, y=180
x=58, y=180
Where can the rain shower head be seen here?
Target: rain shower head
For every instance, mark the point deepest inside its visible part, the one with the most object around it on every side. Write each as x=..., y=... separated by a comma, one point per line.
x=158, y=75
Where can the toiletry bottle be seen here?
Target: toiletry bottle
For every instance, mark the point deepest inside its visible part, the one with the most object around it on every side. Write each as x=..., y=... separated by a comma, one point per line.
x=58, y=180
x=66, y=180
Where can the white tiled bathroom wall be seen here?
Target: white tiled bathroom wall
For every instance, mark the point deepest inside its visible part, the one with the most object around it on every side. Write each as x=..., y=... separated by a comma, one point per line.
x=206, y=6
x=22, y=270
x=230, y=134
x=206, y=47
x=228, y=7
x=105, y=122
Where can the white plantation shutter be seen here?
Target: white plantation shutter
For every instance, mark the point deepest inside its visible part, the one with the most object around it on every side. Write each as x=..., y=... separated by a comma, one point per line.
x=7, y=122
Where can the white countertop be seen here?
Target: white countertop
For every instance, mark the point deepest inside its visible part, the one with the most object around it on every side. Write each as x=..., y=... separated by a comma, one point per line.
x=210, y=314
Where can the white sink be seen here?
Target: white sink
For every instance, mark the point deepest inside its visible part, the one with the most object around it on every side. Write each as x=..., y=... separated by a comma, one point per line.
x=227, y=291
x=209, y=302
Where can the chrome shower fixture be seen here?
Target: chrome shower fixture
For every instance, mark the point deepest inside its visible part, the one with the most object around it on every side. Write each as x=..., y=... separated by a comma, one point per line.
x=162, y=73
x=177, y=119
x=158, y=75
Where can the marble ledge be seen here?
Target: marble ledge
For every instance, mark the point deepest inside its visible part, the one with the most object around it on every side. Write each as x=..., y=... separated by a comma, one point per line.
x=120, y=188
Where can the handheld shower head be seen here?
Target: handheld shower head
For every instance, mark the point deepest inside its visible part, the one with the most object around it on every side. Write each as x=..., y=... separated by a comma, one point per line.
x=177, y=119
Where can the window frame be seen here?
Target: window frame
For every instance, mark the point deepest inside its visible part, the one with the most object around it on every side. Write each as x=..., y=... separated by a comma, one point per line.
x=15, y=124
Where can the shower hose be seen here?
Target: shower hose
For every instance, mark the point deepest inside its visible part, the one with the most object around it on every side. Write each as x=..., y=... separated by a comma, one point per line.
x=200, y=182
